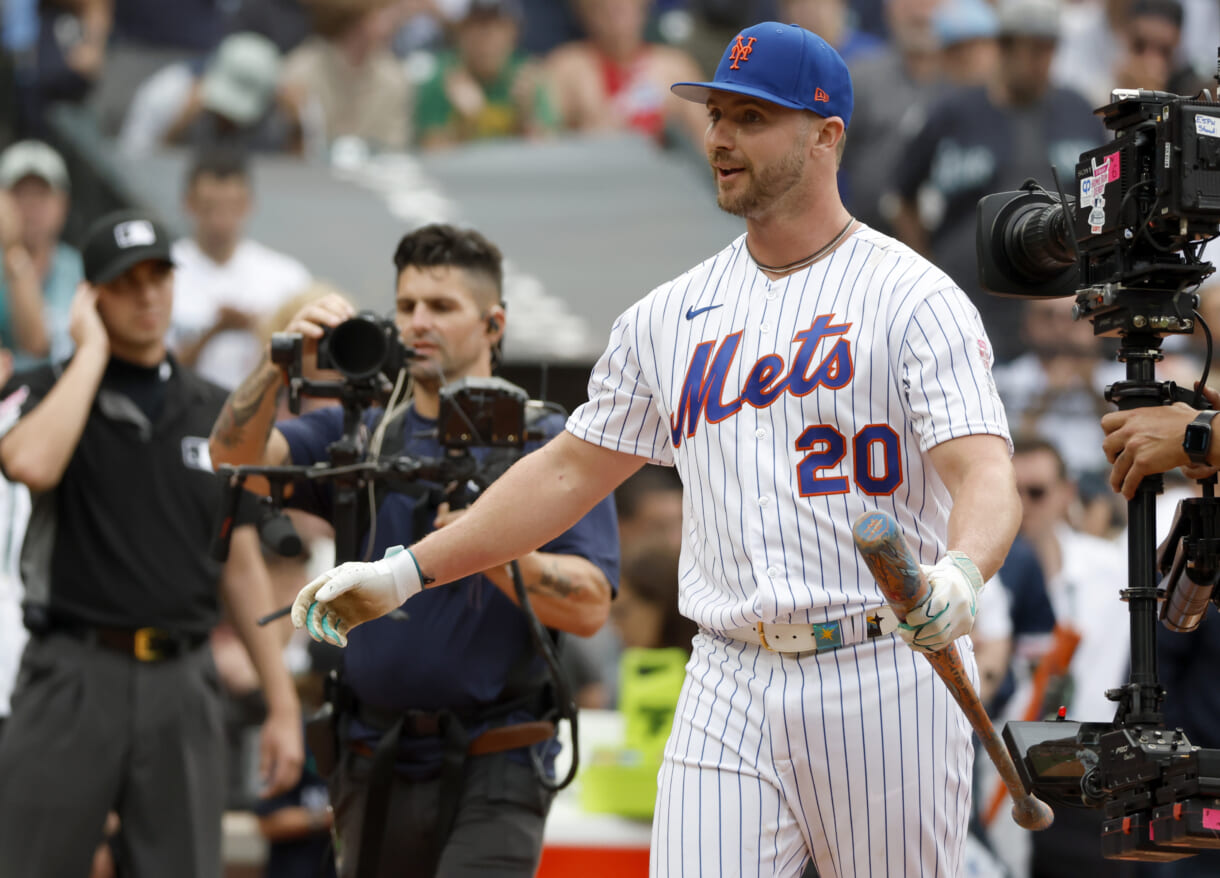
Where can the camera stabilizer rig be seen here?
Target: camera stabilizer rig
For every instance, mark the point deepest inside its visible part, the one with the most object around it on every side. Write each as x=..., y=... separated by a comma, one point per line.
x=1127, y=243
x=474, y=413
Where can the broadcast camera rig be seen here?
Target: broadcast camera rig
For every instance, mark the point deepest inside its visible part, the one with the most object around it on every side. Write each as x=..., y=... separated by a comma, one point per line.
x=1127, y=244
x=475, y=413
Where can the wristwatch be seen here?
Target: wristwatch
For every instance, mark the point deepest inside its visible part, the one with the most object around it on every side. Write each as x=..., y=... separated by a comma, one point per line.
x=1198, y=438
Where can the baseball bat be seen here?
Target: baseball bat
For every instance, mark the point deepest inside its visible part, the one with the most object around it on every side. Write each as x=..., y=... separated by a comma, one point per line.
x=897, y=572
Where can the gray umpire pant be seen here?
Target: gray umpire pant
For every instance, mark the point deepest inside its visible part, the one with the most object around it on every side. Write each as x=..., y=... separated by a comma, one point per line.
x=92, y=731
x=497, y=833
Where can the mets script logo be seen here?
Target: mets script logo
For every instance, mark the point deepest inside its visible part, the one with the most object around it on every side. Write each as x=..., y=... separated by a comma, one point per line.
x=741, y=51
x=702, y=391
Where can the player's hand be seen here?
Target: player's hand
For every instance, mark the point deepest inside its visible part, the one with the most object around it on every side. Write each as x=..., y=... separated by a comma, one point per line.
x=353, y=593
x=281, y=752
x=947, y=613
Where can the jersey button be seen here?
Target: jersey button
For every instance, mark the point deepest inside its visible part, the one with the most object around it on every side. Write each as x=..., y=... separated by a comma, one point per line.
x=772, y=295
x=764, y=502
x=765, y=328
x=773, y=572
x=760, y=433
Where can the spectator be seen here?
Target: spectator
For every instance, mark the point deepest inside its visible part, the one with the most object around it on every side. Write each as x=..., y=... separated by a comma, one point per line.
x=68, y=57
x=486, y=88
x=149, y=35
x=1151, y=40
x=227, y=284
x=1084, y=577
x=616, y=81
x=117, y=704
x=1056, y=389
x=892, y=88
x=831, y=20
x=649, y=505
x=967, y=31
x=987, y=139
x=40, y=271
x=344, y=81
x=231, y=101
x=645, y=611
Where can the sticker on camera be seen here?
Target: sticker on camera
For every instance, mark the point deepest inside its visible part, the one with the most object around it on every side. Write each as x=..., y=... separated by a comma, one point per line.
x=1207, y=126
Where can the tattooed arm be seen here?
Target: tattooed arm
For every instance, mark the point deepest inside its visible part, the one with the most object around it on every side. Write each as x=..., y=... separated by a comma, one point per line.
x=245, y=432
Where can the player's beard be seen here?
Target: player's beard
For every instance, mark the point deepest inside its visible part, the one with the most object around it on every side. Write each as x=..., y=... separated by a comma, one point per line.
x=764, y=186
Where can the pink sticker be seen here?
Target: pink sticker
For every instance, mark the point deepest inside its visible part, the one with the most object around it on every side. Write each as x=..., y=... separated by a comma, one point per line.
x=1211, y=818
x=1112, y=163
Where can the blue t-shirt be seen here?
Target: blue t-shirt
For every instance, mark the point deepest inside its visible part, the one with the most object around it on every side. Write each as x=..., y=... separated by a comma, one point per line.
x=458, y=642
x=65, y=273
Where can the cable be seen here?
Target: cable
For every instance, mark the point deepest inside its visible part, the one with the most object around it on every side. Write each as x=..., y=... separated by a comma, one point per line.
x=401, y=387
x=565, y=706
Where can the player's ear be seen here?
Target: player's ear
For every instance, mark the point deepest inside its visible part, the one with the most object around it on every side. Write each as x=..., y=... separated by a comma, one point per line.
x=830, y=132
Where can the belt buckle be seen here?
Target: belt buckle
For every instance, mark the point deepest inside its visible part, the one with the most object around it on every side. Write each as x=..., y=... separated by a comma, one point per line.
x=762, y=636
x=142, y=645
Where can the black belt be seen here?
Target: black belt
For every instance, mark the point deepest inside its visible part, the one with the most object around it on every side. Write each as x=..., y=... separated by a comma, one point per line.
x=142, y=644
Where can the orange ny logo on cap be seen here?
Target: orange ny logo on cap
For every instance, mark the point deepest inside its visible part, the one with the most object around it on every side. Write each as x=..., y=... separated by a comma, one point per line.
x=741, y=51
x=821, y=96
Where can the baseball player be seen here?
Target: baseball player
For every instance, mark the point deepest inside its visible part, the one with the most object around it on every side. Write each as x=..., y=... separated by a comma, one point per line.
x=810, y=371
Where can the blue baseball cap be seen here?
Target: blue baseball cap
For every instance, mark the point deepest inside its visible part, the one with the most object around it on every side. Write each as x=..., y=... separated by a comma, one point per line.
x=782, y=64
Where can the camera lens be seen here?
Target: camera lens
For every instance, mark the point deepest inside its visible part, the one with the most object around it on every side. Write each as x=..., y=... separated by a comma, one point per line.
x=358, y=347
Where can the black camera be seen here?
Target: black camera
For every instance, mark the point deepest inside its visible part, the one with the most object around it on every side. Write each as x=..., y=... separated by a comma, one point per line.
x=362, y=347
x=1141, y=207
x=365, y=350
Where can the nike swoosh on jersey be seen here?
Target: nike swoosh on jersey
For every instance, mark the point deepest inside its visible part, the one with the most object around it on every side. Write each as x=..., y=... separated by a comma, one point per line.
x=692, y=312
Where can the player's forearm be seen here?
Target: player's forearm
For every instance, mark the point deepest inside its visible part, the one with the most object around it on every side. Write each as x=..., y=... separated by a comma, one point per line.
x=567, y=592
x=540, y=497
x=986, y=515
x=246, y=590
x=37, y=450
x=244, y=425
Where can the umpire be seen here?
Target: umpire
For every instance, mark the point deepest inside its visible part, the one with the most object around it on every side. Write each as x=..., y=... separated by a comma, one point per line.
x=437, y=707
x=117, y=705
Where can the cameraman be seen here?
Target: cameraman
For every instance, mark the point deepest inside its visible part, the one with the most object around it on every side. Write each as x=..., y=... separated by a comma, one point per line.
x=1148, y=440
x=462, y=662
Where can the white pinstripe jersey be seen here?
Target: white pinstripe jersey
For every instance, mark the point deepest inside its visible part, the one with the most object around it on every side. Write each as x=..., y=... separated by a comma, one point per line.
x=789, y=407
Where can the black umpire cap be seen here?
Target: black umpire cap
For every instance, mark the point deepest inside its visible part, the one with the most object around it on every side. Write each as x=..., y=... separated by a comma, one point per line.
x=120, y=240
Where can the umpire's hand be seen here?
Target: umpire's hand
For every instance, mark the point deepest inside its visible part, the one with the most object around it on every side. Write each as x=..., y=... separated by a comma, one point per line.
x=353, y=593
x=1148, y=440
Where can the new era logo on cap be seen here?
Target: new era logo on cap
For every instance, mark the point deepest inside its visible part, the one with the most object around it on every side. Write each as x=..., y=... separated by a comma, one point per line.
x=136, y=233
x=821, y=96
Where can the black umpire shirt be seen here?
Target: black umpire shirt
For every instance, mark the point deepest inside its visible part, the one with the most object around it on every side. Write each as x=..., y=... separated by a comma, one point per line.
x=124, y=540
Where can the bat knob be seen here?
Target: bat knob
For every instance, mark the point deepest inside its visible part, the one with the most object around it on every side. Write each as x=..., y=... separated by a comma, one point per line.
x=1032, y=813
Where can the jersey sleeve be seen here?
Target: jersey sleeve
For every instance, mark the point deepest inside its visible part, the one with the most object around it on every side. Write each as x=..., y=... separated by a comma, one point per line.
x=946, y=371
x=622, y=412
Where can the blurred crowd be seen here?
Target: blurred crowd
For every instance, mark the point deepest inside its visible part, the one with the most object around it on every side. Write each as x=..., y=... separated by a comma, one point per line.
x=954, y=99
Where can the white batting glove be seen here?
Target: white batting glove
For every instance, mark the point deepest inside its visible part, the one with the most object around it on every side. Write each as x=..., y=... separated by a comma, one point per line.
x=947, y=613
x=352, y=593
